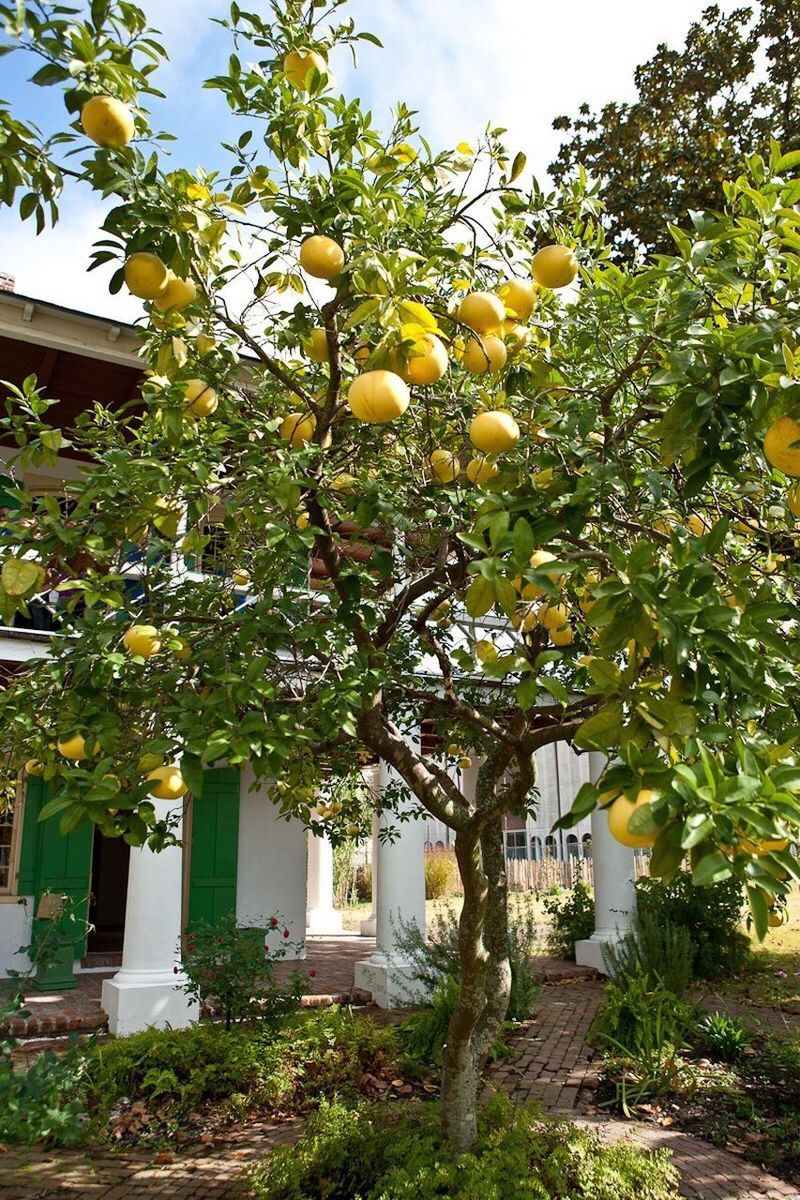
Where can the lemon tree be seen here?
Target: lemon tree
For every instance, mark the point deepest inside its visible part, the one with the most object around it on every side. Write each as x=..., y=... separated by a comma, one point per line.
x=410, y=448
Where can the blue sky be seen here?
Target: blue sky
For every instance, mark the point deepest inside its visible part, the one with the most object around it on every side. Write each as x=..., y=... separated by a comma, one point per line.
x=461, y=63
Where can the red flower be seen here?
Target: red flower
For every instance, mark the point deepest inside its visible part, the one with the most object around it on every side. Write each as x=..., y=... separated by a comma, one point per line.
x=286, y=933
x=274, y=922
x=174, y=970
x=312, y=974
x=219, y=937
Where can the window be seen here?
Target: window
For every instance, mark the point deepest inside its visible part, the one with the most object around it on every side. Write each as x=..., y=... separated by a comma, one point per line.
x=536, y=849
x=572, y=845
x=587, y=845
x=10, y=823
x=550, y=847
x=516, y=843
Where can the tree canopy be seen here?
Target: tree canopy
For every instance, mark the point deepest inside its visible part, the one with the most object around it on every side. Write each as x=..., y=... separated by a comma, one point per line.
x=387, y=468
x=699, y=111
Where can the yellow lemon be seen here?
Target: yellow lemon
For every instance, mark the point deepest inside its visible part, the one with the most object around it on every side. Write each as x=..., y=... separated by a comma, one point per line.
x=482, y=312
x=776, y=918
x=240, y=578
x=377, y=397
x=554, y=266
x=107, y=121
x=201, y=399
x=142, y=640
x=779, y=448
x=494, y=432
x=429, y=363
x=445, y=466
x=167, y=783
x=74, y=747
x=298, y=429
x=539, y=558
x=564, y=636
x=464, y=763
x=145, y=275
x=34, y=766
x=480, y=471
x=316, y=346
x=620, y=813
x=302, y=521
x=176, y=295
x=487, y=353
x=321, y=257
x=298, y=63
x=519, y=297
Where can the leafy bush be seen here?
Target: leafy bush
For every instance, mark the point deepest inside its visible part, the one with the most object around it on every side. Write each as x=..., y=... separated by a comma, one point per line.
x=711, y=916
x=364, y=882
x=435, y=960
x=657, y=950
x=725, y=1036
x=637, y=1017
x=423, y=1035
x=324, y=1052
x=571, y=920
x=231, y=969
x=397, y=1154
x=440, y=874
x=44, y=1103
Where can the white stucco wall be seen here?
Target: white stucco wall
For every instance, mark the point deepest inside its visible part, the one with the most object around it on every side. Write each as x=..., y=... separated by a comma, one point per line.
x=15, y=931
x=272, y=862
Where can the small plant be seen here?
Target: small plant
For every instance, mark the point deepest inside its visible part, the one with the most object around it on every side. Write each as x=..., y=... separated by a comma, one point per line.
x=230, y=970
x=725, y=1036
x=440, y=874
x=425, y=1033
x=571, y=919
x=637, y=1017
x=659, y=951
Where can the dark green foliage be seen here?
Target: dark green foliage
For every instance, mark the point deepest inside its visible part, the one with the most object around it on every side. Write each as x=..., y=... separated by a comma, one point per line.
x=397, y=1154
x=711, y=916
x=659, y=951
x=45, y=1102
x=424, y=1034
x=314, y=1054
x=636, y=1017
x=572, y=920
x=726, y=1037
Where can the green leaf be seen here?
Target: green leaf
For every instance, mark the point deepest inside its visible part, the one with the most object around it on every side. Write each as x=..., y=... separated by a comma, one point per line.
x=518, y=166
x=506, y=595
x=523, y=541
x=667, y=853
x=480, y=596
x=760, y=911
x=711, y=869
x=192, y=771
x=527, y=691
x=20, y=575
x=602, y=730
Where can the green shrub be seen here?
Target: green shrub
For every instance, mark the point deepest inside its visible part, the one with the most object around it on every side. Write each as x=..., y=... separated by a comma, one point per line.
x=397, y=1154
x=364, y=882
x=317, y=1053
x=571, y=920
x=711, y=916
x=637, y=1017
x=44, y=1103
x=440, y=874
x=657, y=950
x=725, y=1036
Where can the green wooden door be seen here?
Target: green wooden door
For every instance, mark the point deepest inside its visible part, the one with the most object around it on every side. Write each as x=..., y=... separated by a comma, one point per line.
x=51, y=860
x=215, y=846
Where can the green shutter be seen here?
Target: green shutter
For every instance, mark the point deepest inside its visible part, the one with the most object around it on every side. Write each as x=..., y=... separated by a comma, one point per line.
x=50, y=860
x=215, y=846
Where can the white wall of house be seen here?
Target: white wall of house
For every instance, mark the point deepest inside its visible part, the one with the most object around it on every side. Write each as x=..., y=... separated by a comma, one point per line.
x=15, y=931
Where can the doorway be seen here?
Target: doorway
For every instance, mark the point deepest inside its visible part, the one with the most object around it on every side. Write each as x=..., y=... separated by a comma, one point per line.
x=110, y=865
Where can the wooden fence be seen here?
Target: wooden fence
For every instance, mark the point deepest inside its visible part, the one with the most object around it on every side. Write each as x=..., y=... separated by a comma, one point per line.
x=525, y=875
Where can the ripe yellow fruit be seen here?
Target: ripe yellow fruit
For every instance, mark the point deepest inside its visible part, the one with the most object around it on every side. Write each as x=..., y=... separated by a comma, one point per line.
x=321, y=257
x=482, y=312
x=316, y=346
x=167, y=783
x=464, y=763
x=378, y=397
x=486, y=651
x=620, y=813
x=201, y=399
x=455, y=750
x=145, y=275
x=779, y=448
x=563, y=636
x=525, y=619
x=240, y=578
x=74, y=747
x=554, y=266
x=107, y=121
x=765, y=846
x=177, y=295
x=445, y=466
x=352, y=830
x=494, y=432
x=298, y=429
x=554, y=617
x=531, y=591
x=697, y=525
x=480, y=471
x=142, y=640
x=487, y=353
x=429, y=365
x=302, y=521
x=519, y=297
x=34, y=766
x=793, y=499
x=298, y=63
x=775, y=918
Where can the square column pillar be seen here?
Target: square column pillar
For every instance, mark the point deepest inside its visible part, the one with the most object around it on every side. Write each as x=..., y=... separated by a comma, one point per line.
x=321, y=916
x=146, y=991
x=614, y=870
x=369, y=926
x=400, y=897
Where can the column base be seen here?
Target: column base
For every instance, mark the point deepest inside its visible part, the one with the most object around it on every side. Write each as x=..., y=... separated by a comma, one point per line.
x=390, y=980
x=369, y=926
x=137, y=1000
x=589, y=951
x=323, y=920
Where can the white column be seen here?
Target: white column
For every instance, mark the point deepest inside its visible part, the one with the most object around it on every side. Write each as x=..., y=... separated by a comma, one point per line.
x=321, y=916
x=369, y=925
x=614, y=870
x=146, y=991
x=272, y=864
x=400, y=892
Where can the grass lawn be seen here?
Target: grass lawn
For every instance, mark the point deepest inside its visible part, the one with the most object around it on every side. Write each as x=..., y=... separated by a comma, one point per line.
x=773, y=975
x=355, y=914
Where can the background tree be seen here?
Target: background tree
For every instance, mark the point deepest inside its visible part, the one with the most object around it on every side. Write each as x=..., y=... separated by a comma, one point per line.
x=698, y=113
x=564, y=530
